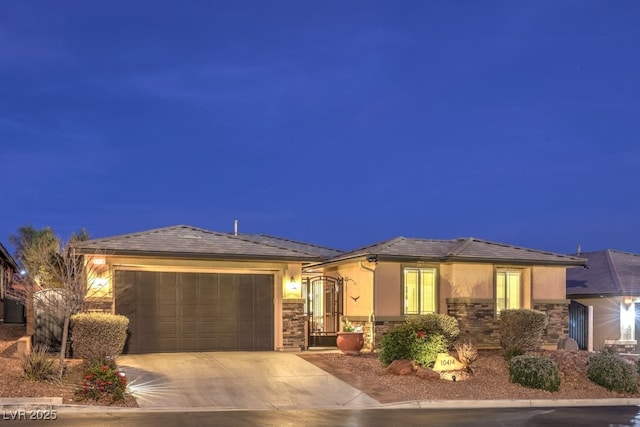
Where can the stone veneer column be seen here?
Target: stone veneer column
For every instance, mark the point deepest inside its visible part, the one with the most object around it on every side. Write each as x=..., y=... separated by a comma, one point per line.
x=382, y=327
x=558, y=321
x=293, y=324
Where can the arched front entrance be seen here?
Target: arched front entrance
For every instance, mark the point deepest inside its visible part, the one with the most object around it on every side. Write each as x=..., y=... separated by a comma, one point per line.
x=324, y=308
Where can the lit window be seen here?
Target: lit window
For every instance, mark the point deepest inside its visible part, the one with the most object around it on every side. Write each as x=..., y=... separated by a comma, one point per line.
x=508, y=290
x=419, y=290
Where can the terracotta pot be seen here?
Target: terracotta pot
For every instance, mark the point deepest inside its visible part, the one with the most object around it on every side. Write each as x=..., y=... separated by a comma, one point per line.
x=350, y=342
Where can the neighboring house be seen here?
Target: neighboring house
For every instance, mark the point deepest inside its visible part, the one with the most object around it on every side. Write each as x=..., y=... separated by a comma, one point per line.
x=188, y=289
x=11, y=309
x=470, y=279
x=611, y=285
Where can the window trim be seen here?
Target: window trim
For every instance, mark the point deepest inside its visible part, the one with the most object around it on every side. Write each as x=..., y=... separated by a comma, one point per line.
x=436, y=288
x=505, y=270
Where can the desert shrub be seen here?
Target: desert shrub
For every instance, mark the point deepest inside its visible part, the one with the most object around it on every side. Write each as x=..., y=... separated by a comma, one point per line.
x=467, y=354
x=103, y=382
x=521, y=331
x=535, y=372
x=397, y=344
x=611, y=371
x=98, y=337
x=413, y=341
x=434, y=323
x=425, y=349
x=38, y=365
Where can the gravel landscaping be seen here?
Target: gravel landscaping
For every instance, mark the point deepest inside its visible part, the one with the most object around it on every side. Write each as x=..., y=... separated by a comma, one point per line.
x=490, y=379
x=15, y=384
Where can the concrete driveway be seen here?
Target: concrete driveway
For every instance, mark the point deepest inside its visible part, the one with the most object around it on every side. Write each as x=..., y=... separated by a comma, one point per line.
x=235, y=380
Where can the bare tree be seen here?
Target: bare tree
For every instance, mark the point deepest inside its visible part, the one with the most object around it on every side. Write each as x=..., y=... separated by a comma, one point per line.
x=62, y=268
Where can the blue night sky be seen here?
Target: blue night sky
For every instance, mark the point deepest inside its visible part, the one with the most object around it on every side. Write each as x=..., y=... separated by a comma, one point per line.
x=341, y=123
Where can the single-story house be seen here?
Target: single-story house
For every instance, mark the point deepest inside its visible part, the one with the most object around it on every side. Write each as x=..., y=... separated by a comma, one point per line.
x=12, y=309
x=188, y=289
x=468, y=278
x=611, y=285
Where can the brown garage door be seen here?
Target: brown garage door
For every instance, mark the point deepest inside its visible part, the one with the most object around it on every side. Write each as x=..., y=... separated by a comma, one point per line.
x=171, y=312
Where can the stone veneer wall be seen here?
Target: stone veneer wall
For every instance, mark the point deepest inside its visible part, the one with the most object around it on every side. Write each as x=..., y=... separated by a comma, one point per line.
x=479, y=323
x=477, y=320
x=558, y=316
x=382, y=327
x=293, y=330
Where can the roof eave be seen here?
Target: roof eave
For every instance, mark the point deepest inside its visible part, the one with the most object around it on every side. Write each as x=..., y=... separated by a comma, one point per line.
x=408, y=258
x=560, y=262
x=192, y=255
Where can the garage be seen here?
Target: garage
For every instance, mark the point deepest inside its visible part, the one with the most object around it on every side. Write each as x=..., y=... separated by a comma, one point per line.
x=182, y=311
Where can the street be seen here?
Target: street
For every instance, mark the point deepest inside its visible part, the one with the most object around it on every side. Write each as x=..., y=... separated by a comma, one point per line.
x=585, y=416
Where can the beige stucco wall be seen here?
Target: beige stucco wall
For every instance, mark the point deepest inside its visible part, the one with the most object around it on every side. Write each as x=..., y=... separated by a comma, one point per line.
x=358, y=287
x=550, y=283
x=283, y=273
x=466, y=281
x=475, y=281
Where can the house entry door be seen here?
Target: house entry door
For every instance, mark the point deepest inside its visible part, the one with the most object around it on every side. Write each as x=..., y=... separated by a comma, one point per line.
x=324, y=308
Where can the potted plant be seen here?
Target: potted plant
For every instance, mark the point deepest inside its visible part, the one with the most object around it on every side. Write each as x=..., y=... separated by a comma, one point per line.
x=350, y=340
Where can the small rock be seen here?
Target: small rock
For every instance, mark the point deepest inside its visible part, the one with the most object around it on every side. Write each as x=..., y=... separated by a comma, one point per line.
x=568, y=344
x=400, y=367
x=427, y=374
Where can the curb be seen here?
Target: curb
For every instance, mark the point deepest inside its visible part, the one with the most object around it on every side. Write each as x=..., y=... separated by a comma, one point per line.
x=495, y=404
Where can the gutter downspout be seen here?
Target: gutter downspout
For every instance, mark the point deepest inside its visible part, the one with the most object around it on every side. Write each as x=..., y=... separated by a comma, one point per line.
x=372, y=315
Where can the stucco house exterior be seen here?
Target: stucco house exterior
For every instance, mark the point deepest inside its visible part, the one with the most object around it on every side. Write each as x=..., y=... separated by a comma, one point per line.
x=611, y=285
x=189, y=289
x=468, y=278
x=184, y=288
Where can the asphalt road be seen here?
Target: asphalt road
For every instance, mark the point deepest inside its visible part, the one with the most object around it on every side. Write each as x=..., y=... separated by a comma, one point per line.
x=585, y=416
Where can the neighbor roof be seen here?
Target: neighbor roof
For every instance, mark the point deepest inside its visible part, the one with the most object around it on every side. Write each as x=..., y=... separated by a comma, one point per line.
x=462, y=250
x=7, y=256
x=193, y=242
x=609, y=272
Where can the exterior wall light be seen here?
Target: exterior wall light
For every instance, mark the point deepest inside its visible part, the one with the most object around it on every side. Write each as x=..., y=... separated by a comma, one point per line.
x=293, y=289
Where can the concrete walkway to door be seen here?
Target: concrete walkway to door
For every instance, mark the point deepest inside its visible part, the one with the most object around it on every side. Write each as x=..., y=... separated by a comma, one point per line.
x=235, y=380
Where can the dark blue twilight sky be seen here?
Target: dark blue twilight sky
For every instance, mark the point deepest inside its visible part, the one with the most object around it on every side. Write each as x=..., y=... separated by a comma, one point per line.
x=341, y=123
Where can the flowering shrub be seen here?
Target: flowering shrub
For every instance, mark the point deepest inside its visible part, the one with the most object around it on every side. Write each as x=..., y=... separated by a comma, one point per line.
x=103, y=381
x=348, y=326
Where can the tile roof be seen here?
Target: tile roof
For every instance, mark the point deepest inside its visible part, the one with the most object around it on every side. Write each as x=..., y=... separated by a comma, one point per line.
x=462, y=249
x=193, y=242
x=309, y=248
x=609, y=272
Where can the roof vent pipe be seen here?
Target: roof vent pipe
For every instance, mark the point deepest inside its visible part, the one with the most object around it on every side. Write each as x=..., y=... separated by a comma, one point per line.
x=579, y=249
x=235, y=227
